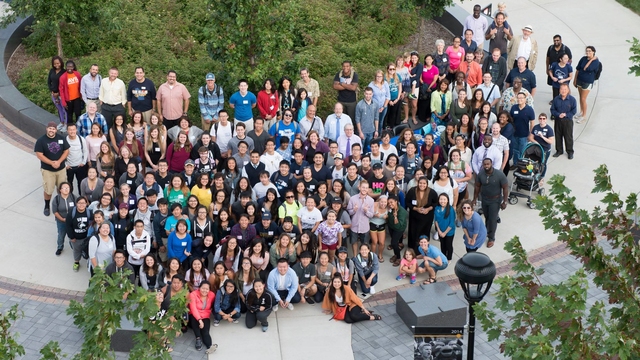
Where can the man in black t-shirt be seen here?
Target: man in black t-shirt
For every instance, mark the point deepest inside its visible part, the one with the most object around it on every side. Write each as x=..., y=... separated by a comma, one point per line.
x=346, y=82
x=141, y=95
x=52, y=151
x=320, y=172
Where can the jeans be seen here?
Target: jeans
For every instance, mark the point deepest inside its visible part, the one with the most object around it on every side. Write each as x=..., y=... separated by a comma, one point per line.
x=381, y=120
x=363, y=286
x=62, y=232
x=62, y=112
x=367, y=142
x=252, y=318
x=285, y=293
x=518, y=147
x=218, y=317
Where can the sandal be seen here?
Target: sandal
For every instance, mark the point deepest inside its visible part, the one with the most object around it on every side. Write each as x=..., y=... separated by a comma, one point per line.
x=396, y=263
x=490, y=244
x=389, y=247
x=376, y=317
x=415, y=122
x=405, y=121
x=380, y=259
x=429, y=281
x=401, y=246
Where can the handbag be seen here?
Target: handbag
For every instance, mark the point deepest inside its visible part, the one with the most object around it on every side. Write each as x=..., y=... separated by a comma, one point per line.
x=340, y=313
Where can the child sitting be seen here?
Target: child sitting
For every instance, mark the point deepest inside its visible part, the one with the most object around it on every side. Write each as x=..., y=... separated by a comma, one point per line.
x=408, y=266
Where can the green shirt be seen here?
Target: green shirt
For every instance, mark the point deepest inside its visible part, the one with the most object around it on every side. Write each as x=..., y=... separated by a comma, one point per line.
x=402, y=220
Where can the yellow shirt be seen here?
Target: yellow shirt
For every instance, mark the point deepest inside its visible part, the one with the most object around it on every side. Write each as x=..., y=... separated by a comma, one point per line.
x=203, y=195
x=113, y=93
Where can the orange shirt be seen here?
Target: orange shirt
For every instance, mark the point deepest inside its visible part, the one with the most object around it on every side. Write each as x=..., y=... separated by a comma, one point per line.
x=73, y=86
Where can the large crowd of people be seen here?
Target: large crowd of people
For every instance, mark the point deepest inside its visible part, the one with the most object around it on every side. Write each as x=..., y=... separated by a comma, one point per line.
x=276, y=206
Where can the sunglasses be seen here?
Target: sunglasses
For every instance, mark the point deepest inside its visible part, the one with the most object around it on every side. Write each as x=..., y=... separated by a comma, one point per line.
x=288, y=115
x=391, y=69
x=289, y=197
x=466, y=208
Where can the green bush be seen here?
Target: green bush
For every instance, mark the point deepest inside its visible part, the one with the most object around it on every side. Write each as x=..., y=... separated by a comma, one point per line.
x=168, y=34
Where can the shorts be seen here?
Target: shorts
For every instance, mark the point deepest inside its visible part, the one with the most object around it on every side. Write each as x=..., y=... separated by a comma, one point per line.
x=376, y=228
x=52, y=179
x=583, y=85
x=355, y=237
x=434, y=266
x=324, y=246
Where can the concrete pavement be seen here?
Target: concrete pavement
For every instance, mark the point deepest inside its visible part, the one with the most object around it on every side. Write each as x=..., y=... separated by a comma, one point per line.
x=606, y=137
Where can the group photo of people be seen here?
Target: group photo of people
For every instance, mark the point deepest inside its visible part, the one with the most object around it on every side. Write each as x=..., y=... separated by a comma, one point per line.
x=262, y=203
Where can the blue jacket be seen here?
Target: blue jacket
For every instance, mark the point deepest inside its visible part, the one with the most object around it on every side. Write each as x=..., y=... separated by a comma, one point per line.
x=290, y=283
x=223, y=302
x=569, y=106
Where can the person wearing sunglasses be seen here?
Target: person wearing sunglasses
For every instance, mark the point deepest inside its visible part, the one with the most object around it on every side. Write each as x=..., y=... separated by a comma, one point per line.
x=475, y=232
x=285, y=127
x=493, y=186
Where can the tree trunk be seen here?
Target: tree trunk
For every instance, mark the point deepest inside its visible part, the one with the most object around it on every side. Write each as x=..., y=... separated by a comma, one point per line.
x=59, y=44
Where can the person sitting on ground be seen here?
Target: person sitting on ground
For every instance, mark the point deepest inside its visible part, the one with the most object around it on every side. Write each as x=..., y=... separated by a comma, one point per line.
x=408, y=266
x=306, y=272
x=260, y=303
x=200, y=306
x=283, y=284
x=227, y=304
x=367, y=266
x=339, y=296
x=434, y=260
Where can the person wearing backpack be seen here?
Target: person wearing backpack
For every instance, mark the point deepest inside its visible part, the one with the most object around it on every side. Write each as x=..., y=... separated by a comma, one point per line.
x=77, y=224
x=433, y=151
x=587, y=72
x=102, y=246
x=211, y=101
x=285, y=127
x=62, y=204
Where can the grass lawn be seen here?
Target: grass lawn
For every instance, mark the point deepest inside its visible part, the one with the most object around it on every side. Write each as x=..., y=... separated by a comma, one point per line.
x=634, y=5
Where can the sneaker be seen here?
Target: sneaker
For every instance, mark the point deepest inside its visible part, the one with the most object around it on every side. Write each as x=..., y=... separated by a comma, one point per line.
x=436, y=236
x=275, y=308
x=372, y=290
x=235, y=321
x=60, y=127
x=290, y=307
x=579, y=120
x=413, y=279
x=46, y=211
x=309, y=300
x=412, y=96
x=400, y=277
x=76, y=267
x=58, y=252
x=85, y=255
x=198, y=344
x=212, y=349
x=216, y=322
x=265, y=328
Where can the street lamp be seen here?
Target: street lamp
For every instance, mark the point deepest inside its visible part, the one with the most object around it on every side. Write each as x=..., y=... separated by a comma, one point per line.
x=475, y=271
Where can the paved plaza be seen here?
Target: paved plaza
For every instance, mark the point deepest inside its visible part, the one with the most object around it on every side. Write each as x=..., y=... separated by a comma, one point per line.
x=31, y=275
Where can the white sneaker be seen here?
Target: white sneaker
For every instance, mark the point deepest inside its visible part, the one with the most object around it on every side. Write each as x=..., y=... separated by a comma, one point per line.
x=60, y=126
x=64, y=128
x=290, y=307
x=275, y=308
x=372, y=290
x=436, y=236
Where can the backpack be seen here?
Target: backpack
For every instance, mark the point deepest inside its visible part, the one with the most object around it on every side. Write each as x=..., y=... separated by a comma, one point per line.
x=295, y=126
x=216, y=89
x=233, y=128
x=285, y=208
x=599, y=71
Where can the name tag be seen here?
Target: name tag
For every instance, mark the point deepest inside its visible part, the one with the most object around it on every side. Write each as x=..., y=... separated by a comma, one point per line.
x=184, y=243
x=515, y=112
x=363, y=263
x=312, y=187
x=307, y=275
x=129, y=182
x=228, y=229
x=297, y=172
x=270, y=233
x=60, y=142
x=84, y=218
x=414, y=202
x=215, y=212
x=132, y=202
x=239, y=237
x=70, y=203
x=412, y=165
x=459, y=54
x=327, y=273
x=180, y=196
x=310, y=94
x=157, y=149
x=118, y=226
x=490, y=67
x=444, y=60
x=245, y=102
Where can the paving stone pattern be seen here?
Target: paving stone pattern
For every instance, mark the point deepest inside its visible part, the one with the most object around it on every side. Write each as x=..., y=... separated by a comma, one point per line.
x=392, y=339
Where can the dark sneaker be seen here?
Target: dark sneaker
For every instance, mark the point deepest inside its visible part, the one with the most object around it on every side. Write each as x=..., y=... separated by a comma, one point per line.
x=198, y=344
x=47, y=211
x=58, y=252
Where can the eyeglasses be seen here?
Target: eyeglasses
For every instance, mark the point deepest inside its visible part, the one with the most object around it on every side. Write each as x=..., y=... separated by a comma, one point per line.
x=391, y=69
x=288, y=115
x=466, y=208
x=542, y=118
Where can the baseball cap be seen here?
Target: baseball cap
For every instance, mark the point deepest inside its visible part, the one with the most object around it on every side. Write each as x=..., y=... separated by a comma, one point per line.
x=210, y=76
x=52, y=124
x=336, y=199
x=189, y=162
x=266, y=216
x=338, y=156
x=123, y=206
x=377, y=166
x=342, y=249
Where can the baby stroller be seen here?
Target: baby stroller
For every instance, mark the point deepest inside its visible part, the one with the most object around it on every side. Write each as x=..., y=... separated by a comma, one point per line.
x=528, y=174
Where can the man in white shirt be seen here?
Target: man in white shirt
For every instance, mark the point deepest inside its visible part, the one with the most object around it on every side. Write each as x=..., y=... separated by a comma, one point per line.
x=336, y=122
x=90, y=87
x=478, y=24
x=311, y=122
x=221, y=132
x=113, y=96
x=78, y=159
x=346, y=140
x=523, y=46
x=487, y=151
x=271, y=159
x=490, y=91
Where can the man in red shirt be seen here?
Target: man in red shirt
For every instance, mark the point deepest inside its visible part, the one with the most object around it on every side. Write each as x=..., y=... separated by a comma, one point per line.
x=70, y=93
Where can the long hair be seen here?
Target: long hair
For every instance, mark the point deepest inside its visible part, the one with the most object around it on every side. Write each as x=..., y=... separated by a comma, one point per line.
x=233, y=296
x=237, y=191
x=275, y=204
x=109, y=153
x=187, y=143
x=239, y=281
x=202, y=272
x=135, y=150
x=161, y=140
x=332, y=289
x=214, y=279
x=256, y=241
x=312, y=246
x=395, y=76
x=150, y=270
x=225, y=248
x=423, y=197
x=448, y=207
x=459, y=210
x=183, y=186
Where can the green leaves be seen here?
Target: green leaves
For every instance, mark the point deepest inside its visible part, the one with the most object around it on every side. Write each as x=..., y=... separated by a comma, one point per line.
x=554, y=321
x=9, y=347
x=635, y=56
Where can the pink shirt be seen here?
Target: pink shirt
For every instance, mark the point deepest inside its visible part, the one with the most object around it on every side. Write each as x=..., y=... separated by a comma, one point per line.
x=404, y=262
x=455, y=57
x=429, y=74
x=172, y=98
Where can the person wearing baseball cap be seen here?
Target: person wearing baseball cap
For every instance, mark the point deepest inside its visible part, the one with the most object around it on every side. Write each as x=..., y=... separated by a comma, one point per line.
x=523, y=46
x=211, y=101
x=52, y=150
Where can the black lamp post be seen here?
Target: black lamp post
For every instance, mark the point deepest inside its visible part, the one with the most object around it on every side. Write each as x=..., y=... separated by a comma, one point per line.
x=476, y=272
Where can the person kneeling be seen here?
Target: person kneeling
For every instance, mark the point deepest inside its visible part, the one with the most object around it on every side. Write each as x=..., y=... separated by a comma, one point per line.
x=434, y=260
x=259, y=305
x=306, y=272
x=227, y=305
x=344, y=304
